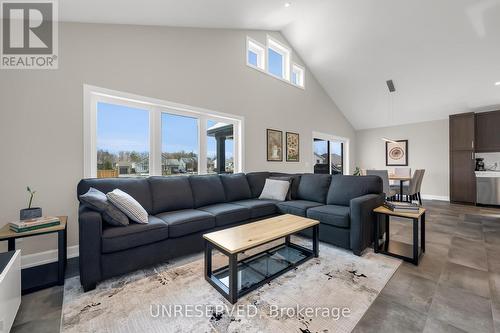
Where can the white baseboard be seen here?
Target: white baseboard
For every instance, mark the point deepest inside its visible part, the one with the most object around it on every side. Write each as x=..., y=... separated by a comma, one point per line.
x=46, y=257
x=435, y=197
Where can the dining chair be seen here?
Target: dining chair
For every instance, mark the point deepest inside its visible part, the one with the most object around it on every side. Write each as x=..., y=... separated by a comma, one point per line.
x=384, y=174
x=411, y=190
x=419, y=185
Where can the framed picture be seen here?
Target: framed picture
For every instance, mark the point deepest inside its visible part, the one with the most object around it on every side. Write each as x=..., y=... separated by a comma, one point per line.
x=292, y=147
x=396, y=153
x=274, y=145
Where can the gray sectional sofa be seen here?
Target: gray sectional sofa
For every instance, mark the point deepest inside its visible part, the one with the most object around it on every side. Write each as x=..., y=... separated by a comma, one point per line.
x=181, y=209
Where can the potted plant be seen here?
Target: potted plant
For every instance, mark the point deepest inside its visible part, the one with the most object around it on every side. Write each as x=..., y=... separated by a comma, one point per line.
x=357, y=172
x=30, y=212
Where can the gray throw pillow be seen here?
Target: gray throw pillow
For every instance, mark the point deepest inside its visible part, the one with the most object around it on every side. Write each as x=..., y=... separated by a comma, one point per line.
x=97, y=200
x=288, y=179
x=275, y=189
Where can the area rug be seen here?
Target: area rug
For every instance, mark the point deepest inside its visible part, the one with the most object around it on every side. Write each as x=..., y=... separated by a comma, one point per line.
x=326, y=294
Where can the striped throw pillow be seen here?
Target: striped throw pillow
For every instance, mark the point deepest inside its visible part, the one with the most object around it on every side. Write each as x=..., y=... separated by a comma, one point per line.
x=128, y=205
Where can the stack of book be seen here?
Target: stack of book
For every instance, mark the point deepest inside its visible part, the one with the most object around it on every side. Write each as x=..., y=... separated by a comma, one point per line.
x=34, y=224
x=402, y=207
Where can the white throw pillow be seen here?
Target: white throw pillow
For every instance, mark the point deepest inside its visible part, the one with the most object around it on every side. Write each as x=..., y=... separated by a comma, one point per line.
x=275, y=189
x=128, y=205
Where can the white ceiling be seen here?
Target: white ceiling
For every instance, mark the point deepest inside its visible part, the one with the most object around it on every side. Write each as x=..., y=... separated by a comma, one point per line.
x=443, y=55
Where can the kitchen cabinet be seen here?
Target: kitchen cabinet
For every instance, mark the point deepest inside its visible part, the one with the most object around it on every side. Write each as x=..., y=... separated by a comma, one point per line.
x=487, y=131
x=462, y=159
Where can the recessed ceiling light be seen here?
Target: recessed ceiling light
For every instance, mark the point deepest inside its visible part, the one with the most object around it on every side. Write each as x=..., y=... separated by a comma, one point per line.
x=497, y=83
x=287, y=4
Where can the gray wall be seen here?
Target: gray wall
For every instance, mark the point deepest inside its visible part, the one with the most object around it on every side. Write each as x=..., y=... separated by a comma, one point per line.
x=428, y=149
x=41, y=127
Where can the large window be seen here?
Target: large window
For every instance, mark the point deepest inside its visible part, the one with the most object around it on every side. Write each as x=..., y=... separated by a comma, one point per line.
x=132, y=136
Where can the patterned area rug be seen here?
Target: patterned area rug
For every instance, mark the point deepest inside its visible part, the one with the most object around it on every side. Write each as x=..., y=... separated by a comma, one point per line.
x=326, y=294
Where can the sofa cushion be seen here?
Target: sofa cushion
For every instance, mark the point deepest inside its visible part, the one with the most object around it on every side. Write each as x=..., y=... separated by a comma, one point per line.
x=138, y=188
x=258, y=207
x=296, y=207
x=227, y=213
x=171, y=193
x=337, y=216
x=256, y=181
x=294, y=182
x=207, y=190
x=133, y=235
x=236, y=187
x=344, y=188
x=187, y=221
x=313, y=187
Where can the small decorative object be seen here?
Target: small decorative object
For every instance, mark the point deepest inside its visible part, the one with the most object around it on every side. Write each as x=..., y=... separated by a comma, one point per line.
x=292, y=147
x=30, y=212
x=357, y=172
x=274, y=145
x=396, y=153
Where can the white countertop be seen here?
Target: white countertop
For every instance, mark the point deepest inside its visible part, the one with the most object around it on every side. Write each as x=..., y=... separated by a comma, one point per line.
x=488, y=173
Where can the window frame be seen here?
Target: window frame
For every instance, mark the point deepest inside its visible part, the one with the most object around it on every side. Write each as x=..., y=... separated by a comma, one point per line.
x=260, y=50
x=93, y=95
x=285, y=52
x=302, y=72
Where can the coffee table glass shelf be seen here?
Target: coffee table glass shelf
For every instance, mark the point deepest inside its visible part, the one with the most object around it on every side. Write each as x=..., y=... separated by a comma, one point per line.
x=240, y=277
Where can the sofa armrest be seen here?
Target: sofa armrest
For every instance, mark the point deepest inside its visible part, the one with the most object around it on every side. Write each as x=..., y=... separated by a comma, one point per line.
x=362, y=220
x=90, y=232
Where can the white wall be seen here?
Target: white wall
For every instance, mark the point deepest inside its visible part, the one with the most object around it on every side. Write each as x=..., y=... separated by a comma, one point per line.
x=41, y=124
x=428, y=148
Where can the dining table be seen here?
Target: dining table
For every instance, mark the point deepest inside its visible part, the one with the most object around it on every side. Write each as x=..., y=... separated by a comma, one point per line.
x=401, y=180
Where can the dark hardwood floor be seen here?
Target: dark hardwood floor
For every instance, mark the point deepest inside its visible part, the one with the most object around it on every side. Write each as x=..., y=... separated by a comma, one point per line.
x=456, y=287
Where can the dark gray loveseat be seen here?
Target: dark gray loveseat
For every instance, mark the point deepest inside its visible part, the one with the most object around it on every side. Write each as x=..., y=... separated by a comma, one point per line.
x=182, y=209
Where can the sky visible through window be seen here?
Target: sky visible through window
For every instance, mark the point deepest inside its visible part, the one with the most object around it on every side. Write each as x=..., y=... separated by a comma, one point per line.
x=121, y=128
x=275, y=63
x=252, y=58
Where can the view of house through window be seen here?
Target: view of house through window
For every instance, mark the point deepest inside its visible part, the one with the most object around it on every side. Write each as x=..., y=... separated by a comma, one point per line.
x=179, y=145
x=328, y=157
x=220, y=147
x=122, y=141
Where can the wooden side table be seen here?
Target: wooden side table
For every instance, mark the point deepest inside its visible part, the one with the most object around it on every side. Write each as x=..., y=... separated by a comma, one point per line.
x=10, y=236
x=407, y=252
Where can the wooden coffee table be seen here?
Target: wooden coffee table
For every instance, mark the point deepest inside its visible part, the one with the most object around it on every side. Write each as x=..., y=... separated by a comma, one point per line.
x=241, y=277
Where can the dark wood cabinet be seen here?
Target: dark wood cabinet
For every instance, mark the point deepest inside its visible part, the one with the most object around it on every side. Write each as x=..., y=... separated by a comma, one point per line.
x=462, y=159
x=488, y=131
x=463, y=179
x=462, y=129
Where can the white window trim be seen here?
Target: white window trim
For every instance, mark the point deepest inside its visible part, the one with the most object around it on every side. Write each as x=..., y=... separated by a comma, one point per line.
x=285, y=52
x=259, y=49
x=303, y=75
x=92, y=95
x=330, y=137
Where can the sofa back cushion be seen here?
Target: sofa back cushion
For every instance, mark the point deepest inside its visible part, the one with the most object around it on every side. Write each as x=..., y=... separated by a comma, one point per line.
x=313, y=187
x=171, y=193
x=138, y=188
x=294, y=183
x=207, y=190
x=256, y=181
x=236, y=187
x=344, y=188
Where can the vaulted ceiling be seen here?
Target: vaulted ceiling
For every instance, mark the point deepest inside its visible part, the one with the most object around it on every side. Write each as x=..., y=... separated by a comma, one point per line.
x=443, y=55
